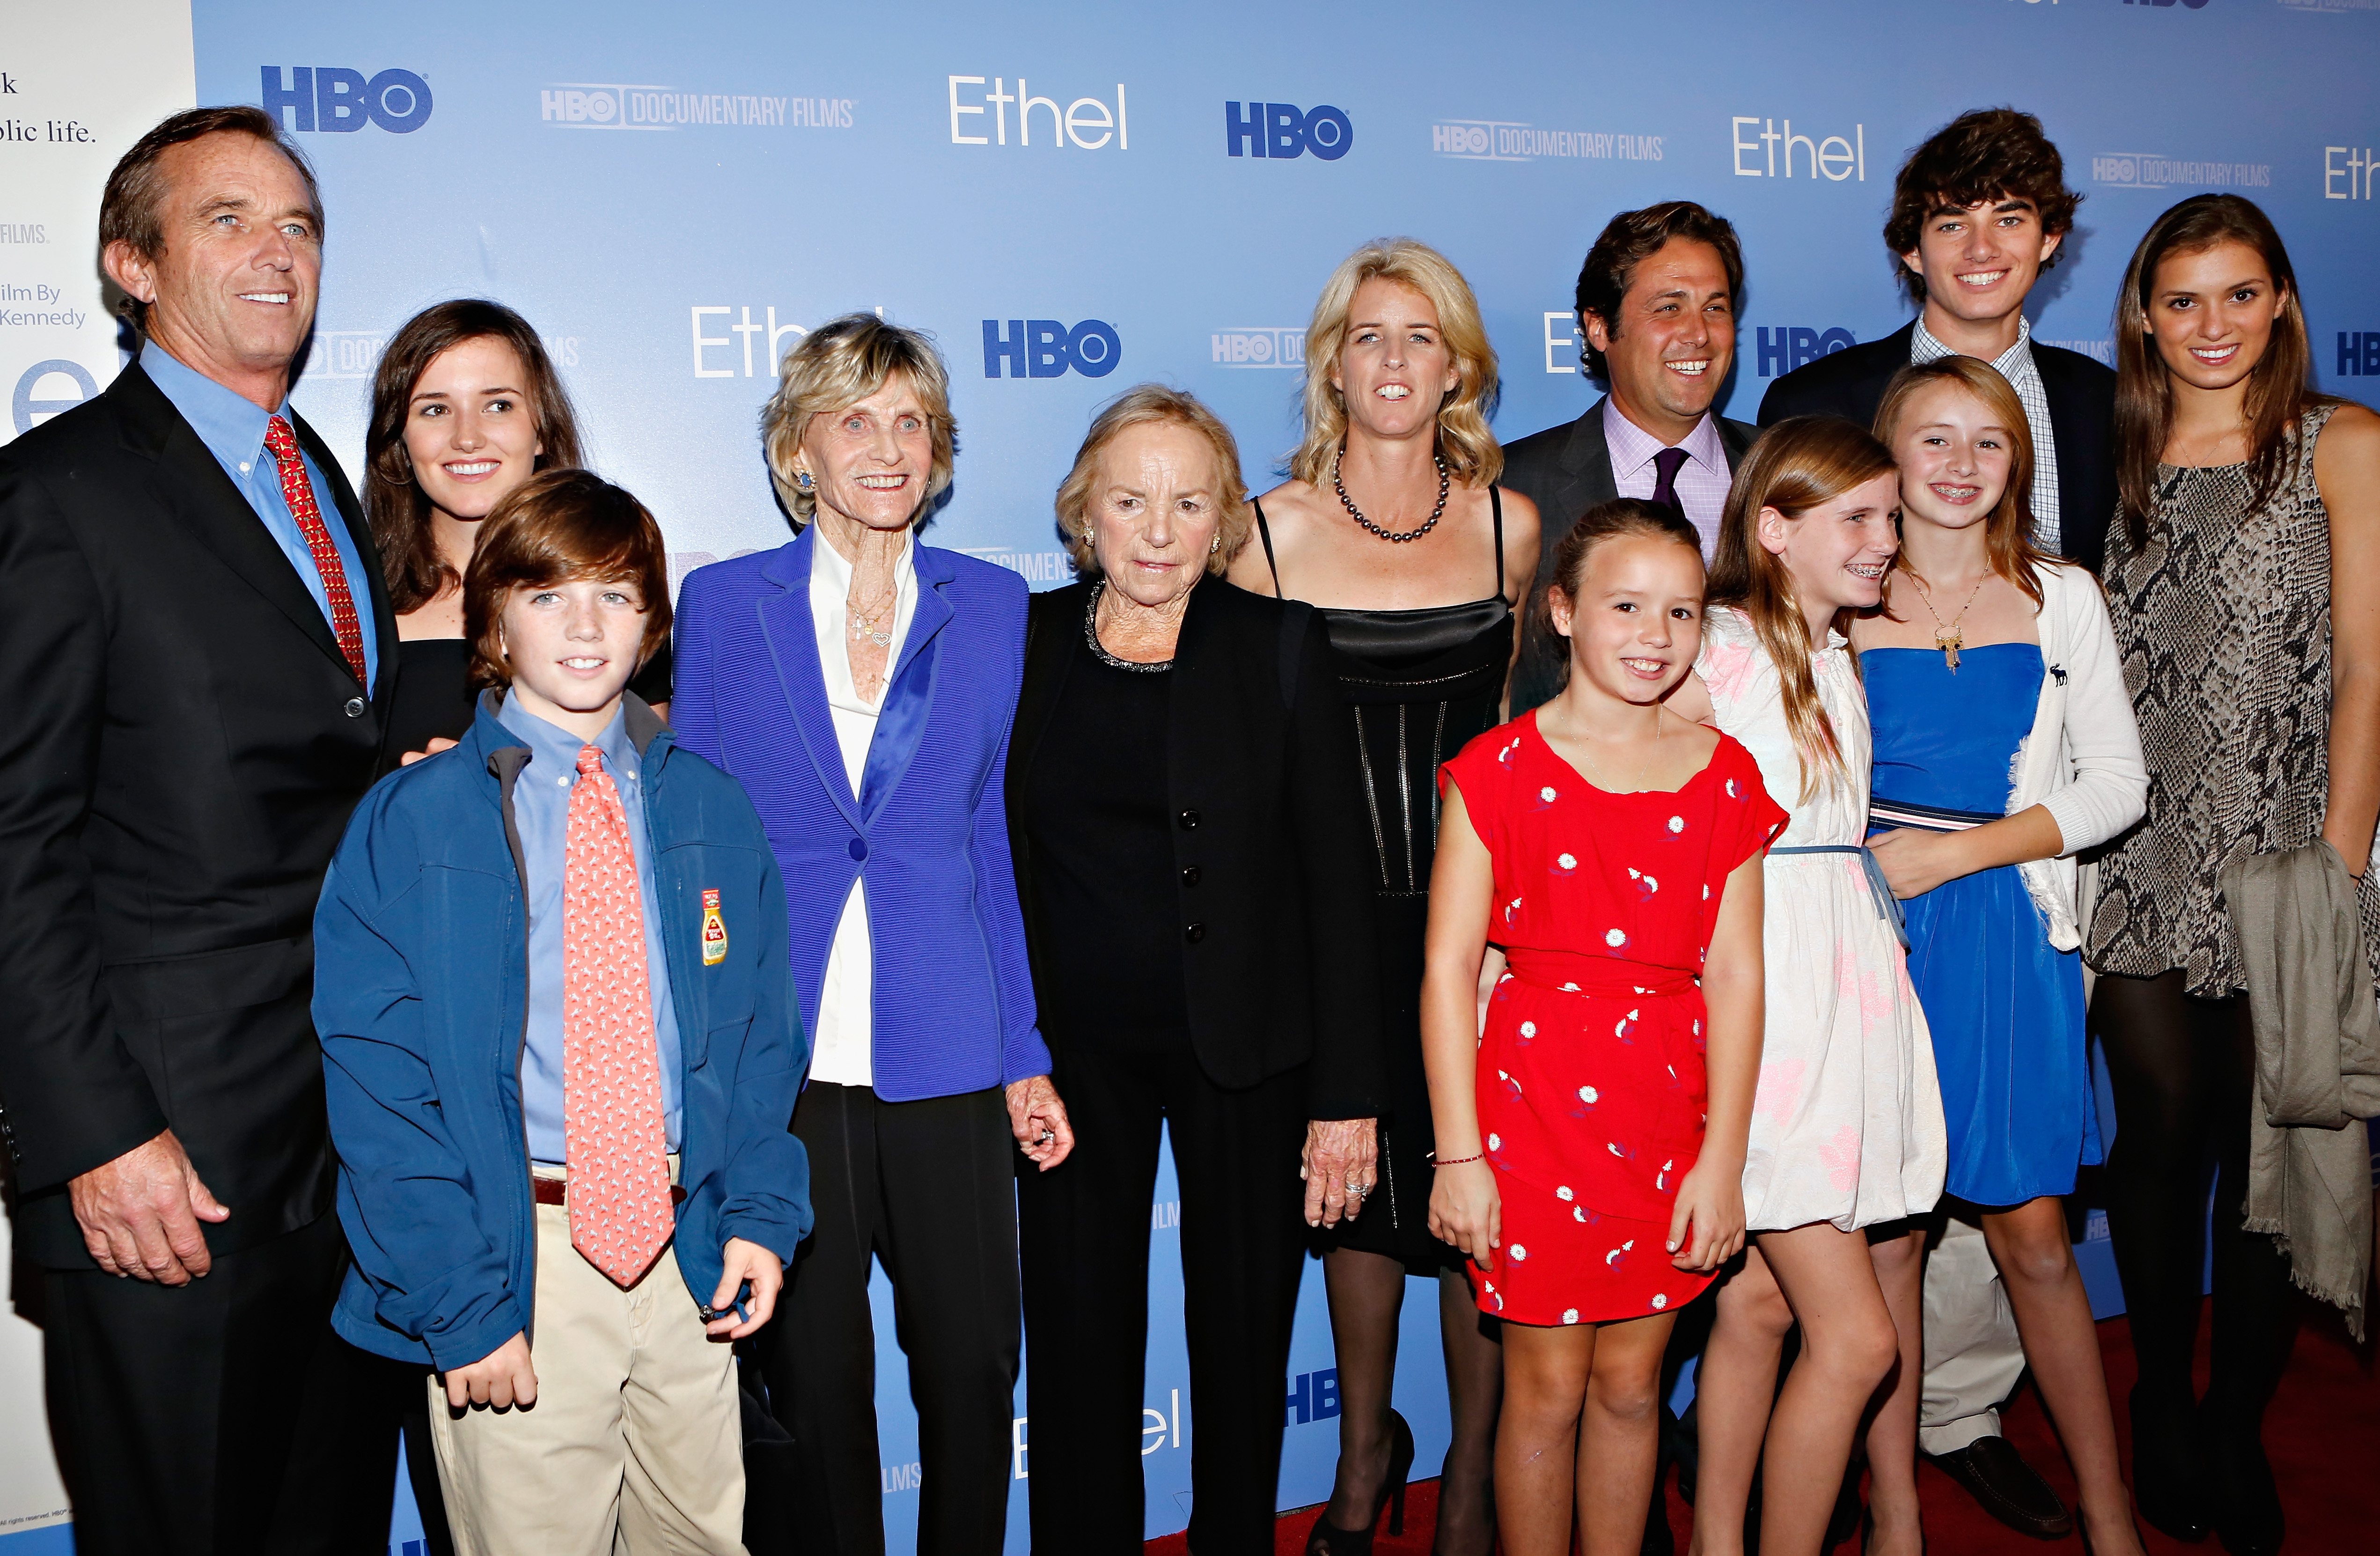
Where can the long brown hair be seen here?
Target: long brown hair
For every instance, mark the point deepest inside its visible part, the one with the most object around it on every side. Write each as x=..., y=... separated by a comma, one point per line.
x=394, y=502
x=1798, y=464
x=2007, y=528
x=2279, y=385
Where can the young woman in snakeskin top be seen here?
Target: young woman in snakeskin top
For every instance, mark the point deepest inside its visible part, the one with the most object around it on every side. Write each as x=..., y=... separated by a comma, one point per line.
x=2243, y=583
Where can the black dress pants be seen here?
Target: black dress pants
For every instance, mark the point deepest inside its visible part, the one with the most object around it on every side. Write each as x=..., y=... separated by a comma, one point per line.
x=224, y=1415
x=1085, y=1236
x=926, y=1186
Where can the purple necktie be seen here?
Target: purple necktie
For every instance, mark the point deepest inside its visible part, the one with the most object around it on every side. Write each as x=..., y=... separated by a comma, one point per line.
x=1666, y=465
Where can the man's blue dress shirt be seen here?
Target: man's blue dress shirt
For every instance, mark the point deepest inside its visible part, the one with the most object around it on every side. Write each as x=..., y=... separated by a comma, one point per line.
x=233, y=429
x=541, y=813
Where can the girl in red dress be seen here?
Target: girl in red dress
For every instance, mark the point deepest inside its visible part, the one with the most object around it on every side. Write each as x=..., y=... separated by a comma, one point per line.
x=1591, y=1140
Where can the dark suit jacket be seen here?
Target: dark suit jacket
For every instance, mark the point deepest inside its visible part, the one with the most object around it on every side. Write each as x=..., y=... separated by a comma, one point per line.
x=2081, y=412
x=1566, y=470
x=1271, y=862
x=187, y=744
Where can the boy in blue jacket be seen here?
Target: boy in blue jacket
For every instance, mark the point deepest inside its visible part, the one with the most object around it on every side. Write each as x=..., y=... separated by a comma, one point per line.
x=560, y=1048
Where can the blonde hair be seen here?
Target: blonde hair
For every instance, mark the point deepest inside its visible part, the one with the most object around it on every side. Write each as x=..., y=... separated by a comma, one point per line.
x=1470, y=450
x=1798, y=464
x=838, y=365
x=1145, y=405
x=2007, y=528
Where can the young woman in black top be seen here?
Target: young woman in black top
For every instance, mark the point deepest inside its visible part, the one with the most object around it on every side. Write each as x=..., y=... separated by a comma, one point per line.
x=465, y=406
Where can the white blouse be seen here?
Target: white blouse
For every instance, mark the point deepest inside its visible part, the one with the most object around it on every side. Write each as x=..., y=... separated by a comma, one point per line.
x=840, y=1048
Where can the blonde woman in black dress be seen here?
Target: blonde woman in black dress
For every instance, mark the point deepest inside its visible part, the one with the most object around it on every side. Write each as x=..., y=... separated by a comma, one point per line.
x=2243, y=584
x=1393, y=526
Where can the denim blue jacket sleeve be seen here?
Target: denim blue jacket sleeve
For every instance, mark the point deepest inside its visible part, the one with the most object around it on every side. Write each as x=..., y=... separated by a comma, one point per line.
x=406, y=1197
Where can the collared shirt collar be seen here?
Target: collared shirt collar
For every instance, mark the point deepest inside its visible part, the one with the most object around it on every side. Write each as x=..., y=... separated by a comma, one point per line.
x=1633, y=447
x=231, y=425
x=555, y=750
x=1924, y=347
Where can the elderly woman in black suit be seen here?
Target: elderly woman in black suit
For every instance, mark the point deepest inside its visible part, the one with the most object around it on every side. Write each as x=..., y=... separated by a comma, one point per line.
x=1196, y=908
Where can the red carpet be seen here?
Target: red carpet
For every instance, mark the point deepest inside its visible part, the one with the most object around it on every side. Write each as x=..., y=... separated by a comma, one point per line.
x=2323, y=1433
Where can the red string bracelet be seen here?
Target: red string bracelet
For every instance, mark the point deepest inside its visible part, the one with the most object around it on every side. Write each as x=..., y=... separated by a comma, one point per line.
x=1459, y=1160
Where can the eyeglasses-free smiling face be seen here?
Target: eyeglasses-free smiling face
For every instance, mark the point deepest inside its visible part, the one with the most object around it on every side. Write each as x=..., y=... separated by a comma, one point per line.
x=232, y=294
x=1979, y=260
x=1837, y=552
x=2211, y=313
x=1395, y=367
x=571, y=647
x=871, y=461
x=1954, y=457
x=471, y=432
x=1671, y=346
x=1636, y=623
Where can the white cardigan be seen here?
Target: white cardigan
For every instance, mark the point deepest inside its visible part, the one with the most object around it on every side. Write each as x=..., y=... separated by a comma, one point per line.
x=2082, y=759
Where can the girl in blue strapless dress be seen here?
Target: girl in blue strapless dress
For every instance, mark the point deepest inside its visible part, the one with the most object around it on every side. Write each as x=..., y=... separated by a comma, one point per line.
x=2005, y=1006
x=2004, y=743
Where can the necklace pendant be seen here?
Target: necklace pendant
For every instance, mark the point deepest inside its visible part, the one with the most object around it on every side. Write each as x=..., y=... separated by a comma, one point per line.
x=882, y=639
x=1949, y=640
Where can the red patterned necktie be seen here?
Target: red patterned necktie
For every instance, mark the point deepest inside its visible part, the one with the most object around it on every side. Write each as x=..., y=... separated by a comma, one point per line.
x=611, y=1061
x=299, y=494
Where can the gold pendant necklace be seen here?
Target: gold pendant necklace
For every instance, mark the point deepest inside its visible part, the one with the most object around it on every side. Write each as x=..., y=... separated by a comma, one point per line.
x=1947, y=636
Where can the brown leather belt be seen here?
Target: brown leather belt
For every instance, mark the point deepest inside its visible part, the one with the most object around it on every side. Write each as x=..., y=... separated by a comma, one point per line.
x=554, y=1191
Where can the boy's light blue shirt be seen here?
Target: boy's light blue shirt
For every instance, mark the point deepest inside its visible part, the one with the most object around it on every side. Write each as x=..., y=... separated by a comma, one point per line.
x=233, y=429
x=541, y=813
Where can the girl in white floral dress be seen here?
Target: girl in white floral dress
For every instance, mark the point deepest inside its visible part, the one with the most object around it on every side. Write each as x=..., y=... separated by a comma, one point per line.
x=1847, y=1136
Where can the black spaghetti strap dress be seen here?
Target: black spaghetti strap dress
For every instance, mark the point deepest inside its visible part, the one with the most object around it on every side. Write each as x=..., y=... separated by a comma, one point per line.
x=1422, y=684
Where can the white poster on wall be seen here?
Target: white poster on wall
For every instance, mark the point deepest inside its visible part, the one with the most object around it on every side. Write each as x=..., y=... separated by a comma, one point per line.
x=79, y=84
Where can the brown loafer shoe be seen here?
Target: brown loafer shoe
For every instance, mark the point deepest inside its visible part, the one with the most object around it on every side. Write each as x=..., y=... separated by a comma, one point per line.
x=1998, y=1476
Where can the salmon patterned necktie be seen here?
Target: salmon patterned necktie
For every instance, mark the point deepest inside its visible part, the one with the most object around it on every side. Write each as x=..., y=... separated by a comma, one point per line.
x=611, y=1062
x=299, y=493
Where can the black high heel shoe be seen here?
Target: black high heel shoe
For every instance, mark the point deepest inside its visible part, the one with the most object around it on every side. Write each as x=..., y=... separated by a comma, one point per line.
x=1329, y=1540
x=2166, y=1484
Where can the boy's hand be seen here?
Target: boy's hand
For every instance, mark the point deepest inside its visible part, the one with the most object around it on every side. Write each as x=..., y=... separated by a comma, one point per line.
x=502, y=1378
x=745, y=1261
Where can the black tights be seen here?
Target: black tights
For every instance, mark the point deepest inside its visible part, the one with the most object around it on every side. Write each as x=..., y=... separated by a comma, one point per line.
x=2184, y=1073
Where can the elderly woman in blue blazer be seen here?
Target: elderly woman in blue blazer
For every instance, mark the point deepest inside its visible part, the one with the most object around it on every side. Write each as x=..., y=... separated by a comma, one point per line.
x=861, y=684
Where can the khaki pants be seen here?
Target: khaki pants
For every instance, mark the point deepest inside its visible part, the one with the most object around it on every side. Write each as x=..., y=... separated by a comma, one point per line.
x=1973, y=1355
x=634, y=1443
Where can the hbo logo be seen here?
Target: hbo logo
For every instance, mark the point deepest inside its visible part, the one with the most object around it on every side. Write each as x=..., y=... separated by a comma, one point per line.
x=1278, y=130
x=1789, y=346
x=327, y=97
x=1046, y=348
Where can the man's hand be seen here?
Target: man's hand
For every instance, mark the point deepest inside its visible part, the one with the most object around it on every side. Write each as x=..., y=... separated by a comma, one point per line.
x=1037, y=1118
x=745, y=1261
x=1340, y=1164
x=140, y=1212
x=437, y=743
x=502, y=1378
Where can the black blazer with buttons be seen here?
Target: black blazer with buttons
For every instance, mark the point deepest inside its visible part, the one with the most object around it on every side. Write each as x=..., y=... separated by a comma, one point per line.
x=1271, y=857
x=2082, y=396
x=187, y=747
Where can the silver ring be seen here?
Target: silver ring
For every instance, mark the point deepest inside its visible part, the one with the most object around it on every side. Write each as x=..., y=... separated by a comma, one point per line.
x=1047, y=1136
x=1359, y=1190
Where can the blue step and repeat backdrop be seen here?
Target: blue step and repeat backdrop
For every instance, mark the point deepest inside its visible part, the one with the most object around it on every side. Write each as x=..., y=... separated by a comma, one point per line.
x=1074, y=198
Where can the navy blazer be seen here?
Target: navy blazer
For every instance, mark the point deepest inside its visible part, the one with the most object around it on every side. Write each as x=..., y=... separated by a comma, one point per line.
x=953, y=997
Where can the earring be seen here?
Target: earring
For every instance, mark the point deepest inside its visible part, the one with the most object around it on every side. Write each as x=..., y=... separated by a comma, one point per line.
x=1216, y=547
x=802, y=480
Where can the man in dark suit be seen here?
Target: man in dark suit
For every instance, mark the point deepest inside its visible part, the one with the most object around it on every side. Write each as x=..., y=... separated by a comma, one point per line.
x=1657, y=300
x=1978, y=213
x=192, y=616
